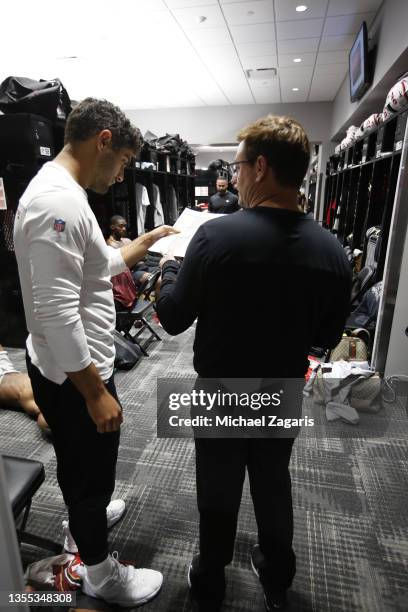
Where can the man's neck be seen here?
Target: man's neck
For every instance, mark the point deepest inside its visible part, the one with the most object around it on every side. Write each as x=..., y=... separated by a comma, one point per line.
x=77, y=163
x=285, y=200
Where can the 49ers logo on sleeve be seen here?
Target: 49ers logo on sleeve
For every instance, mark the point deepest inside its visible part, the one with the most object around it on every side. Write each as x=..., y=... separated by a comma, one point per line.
x=59, y=225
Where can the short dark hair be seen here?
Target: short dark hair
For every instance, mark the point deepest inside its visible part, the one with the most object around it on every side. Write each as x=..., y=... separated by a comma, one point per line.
x=116, y=218
x=284, y=143
x=222, y=177
x=91, y=116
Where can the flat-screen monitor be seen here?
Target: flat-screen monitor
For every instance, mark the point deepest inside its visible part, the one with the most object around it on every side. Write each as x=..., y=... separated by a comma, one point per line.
x=358, y=65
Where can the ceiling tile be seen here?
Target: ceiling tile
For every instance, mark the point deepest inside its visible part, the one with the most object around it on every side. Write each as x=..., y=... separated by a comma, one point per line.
x=331, y=69
x=208, y=37
x=324, y=91
x=173, y=4
x=267, y=95
x=347, y=24
x=219, y=53
x=303, y=88
x=332, y=57
x=268, y=84
x=346, y=7
x=294, y=96
x=188, y=18
x=261, y=61
x=246, y=50
x=320, y=96
x=248, y=13
x=286, y=60
x=337, y=43
x=260, y=32
x=289, y=75
x=300, y=45
x=285, y=10
x=305, y=28
x=239, y=93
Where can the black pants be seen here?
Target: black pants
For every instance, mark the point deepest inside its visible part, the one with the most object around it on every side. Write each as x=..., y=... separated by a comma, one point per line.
x=86, y=461
x=220, y=474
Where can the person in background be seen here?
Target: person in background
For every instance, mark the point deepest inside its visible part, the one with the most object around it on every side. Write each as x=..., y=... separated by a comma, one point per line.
x=304, y=303
x=141, y=272
x=223, y=201
x=16, y=390
x=65, y=268
x=118, y=227
x=302, y=202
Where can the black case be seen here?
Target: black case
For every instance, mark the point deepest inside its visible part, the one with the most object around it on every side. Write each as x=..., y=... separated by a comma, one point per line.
x=25, y=138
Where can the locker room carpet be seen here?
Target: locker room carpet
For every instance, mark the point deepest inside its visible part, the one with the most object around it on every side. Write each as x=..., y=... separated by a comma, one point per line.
x=350, y=504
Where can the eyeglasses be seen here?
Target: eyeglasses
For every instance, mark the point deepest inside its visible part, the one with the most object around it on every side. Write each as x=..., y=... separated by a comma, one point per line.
x=235, y=165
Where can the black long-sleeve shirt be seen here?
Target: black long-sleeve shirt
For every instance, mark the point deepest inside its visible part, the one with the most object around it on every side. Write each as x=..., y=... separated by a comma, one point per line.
x=265, y=284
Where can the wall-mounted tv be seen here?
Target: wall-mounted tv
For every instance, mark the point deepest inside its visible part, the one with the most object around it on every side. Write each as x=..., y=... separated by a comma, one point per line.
x=359, y=72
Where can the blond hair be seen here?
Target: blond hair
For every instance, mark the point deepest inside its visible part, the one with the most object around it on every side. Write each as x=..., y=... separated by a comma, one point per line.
x=283, y=141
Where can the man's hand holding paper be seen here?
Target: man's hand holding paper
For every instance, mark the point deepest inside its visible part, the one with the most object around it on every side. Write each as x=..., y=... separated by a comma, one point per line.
x=187, y=224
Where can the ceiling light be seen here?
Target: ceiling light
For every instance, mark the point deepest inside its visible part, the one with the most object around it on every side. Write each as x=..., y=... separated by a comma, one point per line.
x=295, y=88
x=297, y=60
x=301, y=8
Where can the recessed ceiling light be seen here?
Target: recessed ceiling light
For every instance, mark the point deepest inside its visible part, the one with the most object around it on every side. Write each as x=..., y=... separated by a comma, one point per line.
x=295, y=88
x=301, y=8
x=297, y=60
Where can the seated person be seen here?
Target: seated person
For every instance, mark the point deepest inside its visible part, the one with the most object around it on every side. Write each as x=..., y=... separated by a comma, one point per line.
x=117, y=239
x=16, y=390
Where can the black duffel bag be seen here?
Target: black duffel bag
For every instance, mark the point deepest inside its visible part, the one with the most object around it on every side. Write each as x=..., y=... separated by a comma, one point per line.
x=46, y=98
x=127, y=353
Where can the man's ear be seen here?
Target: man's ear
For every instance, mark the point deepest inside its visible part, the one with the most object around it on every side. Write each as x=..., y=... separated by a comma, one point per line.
x=104, y=139
x=261, y=167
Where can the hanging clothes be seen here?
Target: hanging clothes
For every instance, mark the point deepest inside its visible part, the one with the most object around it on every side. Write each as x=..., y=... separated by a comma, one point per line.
x=172, y=204
x=158, y=208
x=142, y=202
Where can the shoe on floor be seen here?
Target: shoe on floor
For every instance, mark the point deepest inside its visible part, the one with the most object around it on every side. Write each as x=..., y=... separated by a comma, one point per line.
x=274, y=600
x=126, y=585
x=207, y=587
x=114, y=513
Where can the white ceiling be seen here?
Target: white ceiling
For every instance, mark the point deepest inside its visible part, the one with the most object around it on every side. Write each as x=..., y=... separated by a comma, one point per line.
x=145, y=54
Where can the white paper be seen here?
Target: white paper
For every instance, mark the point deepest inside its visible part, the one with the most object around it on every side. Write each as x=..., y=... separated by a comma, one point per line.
x=188, y=223
x=3, y=201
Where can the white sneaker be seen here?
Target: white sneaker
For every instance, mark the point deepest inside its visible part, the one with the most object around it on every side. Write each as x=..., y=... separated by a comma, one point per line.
x=126, y=586
x=114, y=513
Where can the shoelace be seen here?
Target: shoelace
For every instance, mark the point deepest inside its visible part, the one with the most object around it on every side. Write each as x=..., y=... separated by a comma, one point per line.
x=122, y=571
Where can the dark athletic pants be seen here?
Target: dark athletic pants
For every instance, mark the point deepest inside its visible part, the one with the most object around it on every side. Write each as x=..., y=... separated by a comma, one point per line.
x=220, y=473
x=86, y=461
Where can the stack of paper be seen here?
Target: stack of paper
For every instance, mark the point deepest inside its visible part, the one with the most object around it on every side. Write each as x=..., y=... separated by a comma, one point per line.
x=188, y=223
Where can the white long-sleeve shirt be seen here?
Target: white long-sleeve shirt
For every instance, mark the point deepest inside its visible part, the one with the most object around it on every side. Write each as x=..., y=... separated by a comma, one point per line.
x=65, y=268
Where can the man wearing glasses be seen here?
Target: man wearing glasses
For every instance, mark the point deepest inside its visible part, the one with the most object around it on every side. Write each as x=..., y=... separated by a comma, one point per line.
x=299, y=298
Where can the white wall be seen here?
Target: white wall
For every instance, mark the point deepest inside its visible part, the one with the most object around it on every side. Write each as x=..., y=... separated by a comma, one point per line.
x=220, y=124
x=389, y=33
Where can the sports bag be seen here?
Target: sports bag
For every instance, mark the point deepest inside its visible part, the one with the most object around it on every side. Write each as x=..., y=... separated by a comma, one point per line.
x=127, y=353
x=46, y=98
x=349, y=348
x=363, y=393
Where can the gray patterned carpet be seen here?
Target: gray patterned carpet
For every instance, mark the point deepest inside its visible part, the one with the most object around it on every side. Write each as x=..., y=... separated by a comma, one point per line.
x=350, y=503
